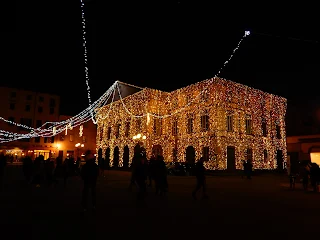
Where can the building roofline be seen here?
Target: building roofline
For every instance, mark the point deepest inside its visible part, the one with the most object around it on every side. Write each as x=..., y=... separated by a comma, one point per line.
x=31, y=91
x=202, y=81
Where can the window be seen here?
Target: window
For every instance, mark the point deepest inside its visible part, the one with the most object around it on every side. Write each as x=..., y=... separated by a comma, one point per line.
x=71, y=137
x=230, y=123
x=138, y=125
x=25, y=121
x=249, y=155
x=52, y=102
x=109, y=133
x=278, y=129
x=248, y=125
x=205, y=122
x=45, y=140
x=174, y=155
x=41, y=99
x=127, y=131
x=13, y=94
x=205, y=153
x=101, y=133
x=12, y=120
x=24, y=140
x=157, y=126
x=118, y=130
x=52, y=139
x=175, y=128
x=175, y=103
x=28, y=108
x=264, y=128
x=188, y=99
x=38, y=123
x=190, y=124
x=37, y=140
x=12, y=106
x=29, y=97
x=40, y=109
x=51, y=110
x=265, y=155
x=61, y=137
x=205, y=96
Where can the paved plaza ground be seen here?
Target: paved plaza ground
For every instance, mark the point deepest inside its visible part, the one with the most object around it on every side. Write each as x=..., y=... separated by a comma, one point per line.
x=260, y=208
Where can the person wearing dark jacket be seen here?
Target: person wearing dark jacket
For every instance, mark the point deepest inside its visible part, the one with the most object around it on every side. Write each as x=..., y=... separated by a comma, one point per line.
x=89, y=175
x=201, y=179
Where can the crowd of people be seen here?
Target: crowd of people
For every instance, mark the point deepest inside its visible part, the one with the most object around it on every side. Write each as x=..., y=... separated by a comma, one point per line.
x=145, y=173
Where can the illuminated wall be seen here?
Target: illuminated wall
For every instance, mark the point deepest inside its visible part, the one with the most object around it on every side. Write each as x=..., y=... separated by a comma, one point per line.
x=217, y=98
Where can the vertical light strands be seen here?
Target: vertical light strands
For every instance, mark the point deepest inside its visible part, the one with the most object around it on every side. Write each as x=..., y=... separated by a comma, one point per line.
x=84, y=44
x=246, y=33
x=81, y=131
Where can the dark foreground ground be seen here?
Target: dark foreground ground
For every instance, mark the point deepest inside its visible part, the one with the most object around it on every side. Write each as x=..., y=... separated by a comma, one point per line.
x=261, y=208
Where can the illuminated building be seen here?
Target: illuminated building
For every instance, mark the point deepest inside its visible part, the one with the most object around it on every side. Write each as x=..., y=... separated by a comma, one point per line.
x=223, y=121
x=31, y=109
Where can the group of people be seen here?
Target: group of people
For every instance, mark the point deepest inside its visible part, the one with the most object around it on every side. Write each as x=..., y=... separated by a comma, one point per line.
x=247, y=168
x=152, y=172
x=41, y=171
x=146, y=172
x=309, y=174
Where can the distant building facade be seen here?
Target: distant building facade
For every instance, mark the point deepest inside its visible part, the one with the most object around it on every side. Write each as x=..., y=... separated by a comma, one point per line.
x=32, y=109
x=76, y=141
x=303, y=148
x=223, y=121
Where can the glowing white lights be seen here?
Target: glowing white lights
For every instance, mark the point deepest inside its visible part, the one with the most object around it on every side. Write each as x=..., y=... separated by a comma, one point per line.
x=90, y=112
x=57, y=127
x=81, y=131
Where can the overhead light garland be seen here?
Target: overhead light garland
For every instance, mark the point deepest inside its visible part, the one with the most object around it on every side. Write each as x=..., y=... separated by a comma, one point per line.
x=194, y=98
x=55, y=128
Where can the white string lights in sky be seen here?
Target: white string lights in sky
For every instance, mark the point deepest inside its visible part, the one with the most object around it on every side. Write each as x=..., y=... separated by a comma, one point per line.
x=90, y=112
x=84, y=44
x=246, y=33
x=54, y=128
x=57, y=127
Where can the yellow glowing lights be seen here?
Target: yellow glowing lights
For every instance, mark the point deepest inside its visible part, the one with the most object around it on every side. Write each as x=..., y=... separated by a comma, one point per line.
x=139, y=136
x=315, y=157
x=229, y=114
x=81, y=131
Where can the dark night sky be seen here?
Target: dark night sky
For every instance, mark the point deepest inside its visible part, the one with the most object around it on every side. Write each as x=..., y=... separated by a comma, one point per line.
x=147, y=44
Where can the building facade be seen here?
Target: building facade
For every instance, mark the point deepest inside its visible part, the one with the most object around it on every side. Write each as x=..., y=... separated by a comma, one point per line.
x=74, y=142
x=32, y=109
x=303, y=148
x=223, y=121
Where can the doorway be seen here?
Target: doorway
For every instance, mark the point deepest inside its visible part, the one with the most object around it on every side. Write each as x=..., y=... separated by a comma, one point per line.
x=107, y=157
x=126, y=157
x=279, y=160
x=190, y=155
x=116, y=157
x=231, y=158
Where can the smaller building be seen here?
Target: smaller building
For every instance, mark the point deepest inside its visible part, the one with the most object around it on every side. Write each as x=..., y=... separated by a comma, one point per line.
x=303, y=148
x=31, y=109
x=74, y=142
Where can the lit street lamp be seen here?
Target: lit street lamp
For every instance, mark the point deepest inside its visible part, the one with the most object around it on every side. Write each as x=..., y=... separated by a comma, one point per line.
x=139, y=136
x=78, y=145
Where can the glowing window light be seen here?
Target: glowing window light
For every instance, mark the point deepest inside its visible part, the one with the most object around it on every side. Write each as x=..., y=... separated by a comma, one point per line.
x=315, y=157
